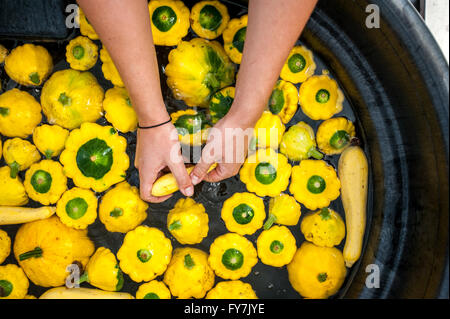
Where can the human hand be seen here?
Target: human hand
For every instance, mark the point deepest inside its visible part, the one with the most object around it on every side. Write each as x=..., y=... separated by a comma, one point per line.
x=227, y=145
x=158, y=148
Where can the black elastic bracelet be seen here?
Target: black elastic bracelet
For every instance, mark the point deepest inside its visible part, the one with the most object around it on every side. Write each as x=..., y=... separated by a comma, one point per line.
x=153, y=126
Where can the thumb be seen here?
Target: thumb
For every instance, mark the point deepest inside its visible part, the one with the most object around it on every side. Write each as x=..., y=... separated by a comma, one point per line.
x=200, y=171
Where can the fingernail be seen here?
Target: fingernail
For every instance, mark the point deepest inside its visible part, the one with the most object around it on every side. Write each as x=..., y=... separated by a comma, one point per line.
x=195, y=179
x=189, y=191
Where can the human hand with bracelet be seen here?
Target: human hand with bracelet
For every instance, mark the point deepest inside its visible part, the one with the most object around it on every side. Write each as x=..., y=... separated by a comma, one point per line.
x=125, y=30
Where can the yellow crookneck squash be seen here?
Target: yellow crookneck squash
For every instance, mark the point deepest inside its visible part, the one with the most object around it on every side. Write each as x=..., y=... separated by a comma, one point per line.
x=276, y=246
x=234, y=38
x=209, y=19
x=192, y=126
x=232, y=256
x=266, y=172
x=284, y=101
x=13, y=282
x=269, y=130
x=70, y=98
x=102, y=271
x=317, y=272
x=153, y=290
x=50, y=140
x=12, y=191
x=320, y=97
x=20, y=113
x=170, y=21
x=197, y=69
x=324, y=228
x=314, y=184
x=119, y=110
x=334, y=135
x=45, y=182
x=19, y=155
x=109, y=69
x=298, y=143
x=121, y=208
x=188, y=222
x=77, y=208
x=145, y=253
x=299, y=65
x=243, y=213
x=29, y=64
x=189, y=275
x=233, y=289
x=95, y=157
x=81, y=53
x=45, y=248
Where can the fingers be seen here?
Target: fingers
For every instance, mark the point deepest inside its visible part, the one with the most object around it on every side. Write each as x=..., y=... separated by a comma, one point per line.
x=147, y=177
x=200, y=171
x=181, y=175
x=222, y=171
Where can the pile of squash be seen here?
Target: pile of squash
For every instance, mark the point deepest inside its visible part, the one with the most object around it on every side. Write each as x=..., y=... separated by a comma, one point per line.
x=75, y=170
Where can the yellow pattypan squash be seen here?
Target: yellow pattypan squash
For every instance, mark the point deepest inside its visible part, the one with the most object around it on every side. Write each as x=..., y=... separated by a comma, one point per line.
x=153, y=290
x=192, y=126
x=197, y=69
x=45, y=182
x=269, y=130
x=220, y=103
x=19, y=113
x=70, y=98
x=188, y=222
x=283, y=210
x=85, y=26
x=209, y=19
x=102, y=271
x=320, y=97
x=298, y=143
x=50, y=140
x=77, y=208
x=276, y=246
x=29, y=64
x=266, y=172
x=324, y=228
x=314, y=184
x=45, y=248
x=170, y=21
x=334, y=135
x=284, y=101
x=145, y=253
x=243, y=213
x=109, y=70
x=233, y=289
x=189, y=274
x=95, y=157
x=232, y=256
x=299, y=65
x=3, y=53
x=121, y=208
x=5, y=245
x=1, y=150
x=119, y=110
x=19, y=155
x=13, y=282
x=81, y=53
x=12, y=191
x=234, y=38
x=317, y=272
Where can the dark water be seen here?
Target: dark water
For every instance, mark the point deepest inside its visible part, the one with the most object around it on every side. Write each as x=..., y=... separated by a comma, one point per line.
x=268, y=282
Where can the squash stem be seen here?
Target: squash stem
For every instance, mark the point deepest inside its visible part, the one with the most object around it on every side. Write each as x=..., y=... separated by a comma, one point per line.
x=175, y=225
x=14, y=169
x=4, y=111
x=35, y=253
x=269, y=222
x=313, y=152
x=83, y=278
